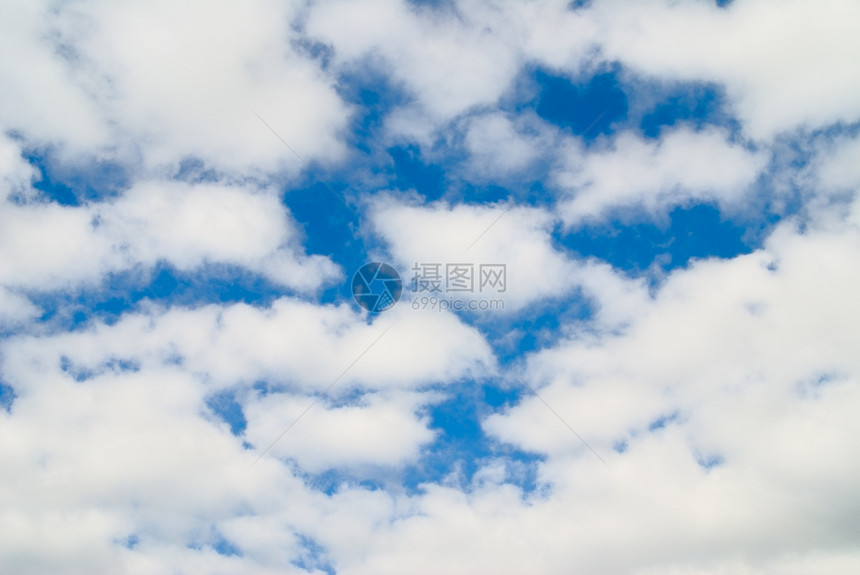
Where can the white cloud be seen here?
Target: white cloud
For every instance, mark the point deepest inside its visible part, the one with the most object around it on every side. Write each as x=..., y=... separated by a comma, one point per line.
x=755, y=369
x=15, y=309
x=682, y=166
x=500, y=147
x=840, y=165
x=49, y=246
x=517, y=237
x=450, y=61
x=447, y=63
x=784, y=65
x=188, y=225
x=112, y=461
x=379, y=430
x=15, y=174
x=160, y=81
x=129, y=437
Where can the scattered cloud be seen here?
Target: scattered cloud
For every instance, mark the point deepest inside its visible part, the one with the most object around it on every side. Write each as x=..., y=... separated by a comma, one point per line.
x=281, y=428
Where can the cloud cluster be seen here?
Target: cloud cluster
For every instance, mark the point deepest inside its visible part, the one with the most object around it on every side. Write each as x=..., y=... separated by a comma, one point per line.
x=157, y=84
x=682, y=167
x=229, y=437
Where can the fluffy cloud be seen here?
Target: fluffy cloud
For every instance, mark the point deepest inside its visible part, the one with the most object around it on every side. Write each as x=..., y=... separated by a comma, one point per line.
x=728, y=395
x=784, y=65
x=117, y=395
x=48, y=246
x=450, y=59
x=682, y=166
x=839, y=168
x=722, y=399
x=475, y=235
x=499, y=147
x=123, y=79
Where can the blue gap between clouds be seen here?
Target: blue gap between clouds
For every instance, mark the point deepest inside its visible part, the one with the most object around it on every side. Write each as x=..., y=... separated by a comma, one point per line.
x=694, y=104
x=512, y=334
x=7, y=397
x=461, y=446
x=80, y=373
x=224, y=405
x=662, y=421
x=330, y=228
x=219, y=544
x=587, y=108
x=313, y=556
x=324, y=204
x=122, y=292
x=397, y=167
x=74, y=185
x=710, y=461
x=692, y=232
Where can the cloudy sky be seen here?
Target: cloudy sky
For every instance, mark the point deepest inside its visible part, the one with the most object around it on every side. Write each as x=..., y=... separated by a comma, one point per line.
x=667, y=381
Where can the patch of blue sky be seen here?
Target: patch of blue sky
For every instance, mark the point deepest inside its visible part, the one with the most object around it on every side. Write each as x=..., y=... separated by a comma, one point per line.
x=373, y=95
x=7, y=397
x=218, y=543
x=586, y=107
x=130, y=542
x=690, y=103
x=458, y=452
x=226, y=407
x=82, y=373
x=194, y=171
x=331, y=481
x=224, y=547
x=329, y=228
x=410, y=172
x=663, y=421
x=461, y=447
x=313, y=557
x=638, y=247
x=708, y=462
x=74, y=184
x=123, y=292
x=539, y=325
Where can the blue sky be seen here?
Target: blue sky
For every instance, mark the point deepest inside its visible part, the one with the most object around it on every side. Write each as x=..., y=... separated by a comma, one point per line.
x=188, y=385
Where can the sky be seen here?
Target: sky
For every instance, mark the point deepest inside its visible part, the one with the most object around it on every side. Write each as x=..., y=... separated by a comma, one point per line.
x=615, y=332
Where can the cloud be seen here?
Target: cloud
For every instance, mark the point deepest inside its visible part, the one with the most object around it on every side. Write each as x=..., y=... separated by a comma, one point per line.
x=130, y=434
x=164, y=84
x=451, y=60
x=728, y=395
x=189, y=225
x=515, y=237
x=379, y=430
x=839, y=167
x=758, y=50
x=683, y=166
x=48, y=246
x=500, y=147
x=722, y=399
